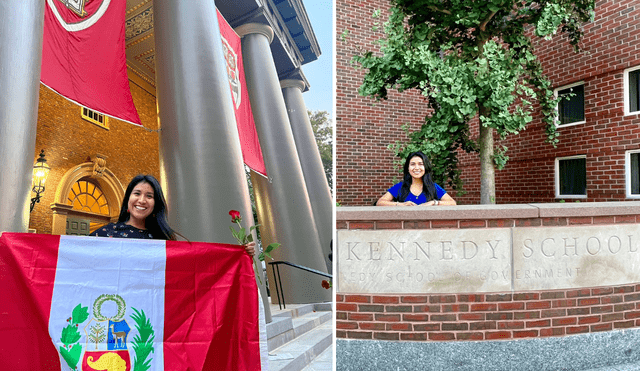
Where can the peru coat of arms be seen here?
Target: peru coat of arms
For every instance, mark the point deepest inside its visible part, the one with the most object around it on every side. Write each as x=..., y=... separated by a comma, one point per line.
x=107, y=337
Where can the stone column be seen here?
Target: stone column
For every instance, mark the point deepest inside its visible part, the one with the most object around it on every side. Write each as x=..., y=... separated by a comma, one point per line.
x=200, y=157
x=288, y=206
x=21, y=31
x=314, y=177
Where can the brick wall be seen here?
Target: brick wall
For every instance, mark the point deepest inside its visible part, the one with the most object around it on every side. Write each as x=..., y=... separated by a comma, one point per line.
x=364, y=128
x=495, y=316
x=68, y=140
x=487, y=316
x=364, y=166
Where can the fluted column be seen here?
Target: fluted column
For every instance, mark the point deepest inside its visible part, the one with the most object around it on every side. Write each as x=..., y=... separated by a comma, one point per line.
x=314, y=176
x=21, y=31
x=287, y=206
x=200, y=156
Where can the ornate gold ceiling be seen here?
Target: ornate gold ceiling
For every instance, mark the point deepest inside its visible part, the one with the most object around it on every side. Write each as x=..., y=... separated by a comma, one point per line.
x=140, y=42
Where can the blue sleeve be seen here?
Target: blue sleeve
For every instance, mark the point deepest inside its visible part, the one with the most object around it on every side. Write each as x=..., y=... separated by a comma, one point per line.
x=439, y=191
x=395, y=190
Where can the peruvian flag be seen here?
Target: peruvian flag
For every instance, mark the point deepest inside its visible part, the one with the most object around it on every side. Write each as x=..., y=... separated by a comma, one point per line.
x=91, y=303
x=249, y=143
x=83, y=55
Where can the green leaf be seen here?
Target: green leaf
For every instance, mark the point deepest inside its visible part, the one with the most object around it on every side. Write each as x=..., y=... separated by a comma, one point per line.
x=70, y=335
x=272, y=247
x=71, y=356
x=79, y=314
x=241, y=235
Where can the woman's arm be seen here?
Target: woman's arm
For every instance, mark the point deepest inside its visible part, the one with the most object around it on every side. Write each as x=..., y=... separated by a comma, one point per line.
x=446, y=200
x=387, y=200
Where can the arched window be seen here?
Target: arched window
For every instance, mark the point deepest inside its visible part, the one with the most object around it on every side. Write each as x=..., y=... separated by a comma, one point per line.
x=87, y=196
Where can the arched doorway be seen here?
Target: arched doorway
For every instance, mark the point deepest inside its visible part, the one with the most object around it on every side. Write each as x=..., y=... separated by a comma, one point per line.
x=86, y=200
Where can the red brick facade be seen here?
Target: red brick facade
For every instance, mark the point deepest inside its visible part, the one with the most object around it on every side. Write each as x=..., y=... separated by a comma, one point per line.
x=495, y=316
x=68, y=140
x=364, y=167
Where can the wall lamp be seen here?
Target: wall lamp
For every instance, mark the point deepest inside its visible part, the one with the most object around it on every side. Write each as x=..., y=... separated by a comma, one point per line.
x=40, y=174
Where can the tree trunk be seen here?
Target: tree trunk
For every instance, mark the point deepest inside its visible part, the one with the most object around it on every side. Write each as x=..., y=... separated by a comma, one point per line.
x=487, y=169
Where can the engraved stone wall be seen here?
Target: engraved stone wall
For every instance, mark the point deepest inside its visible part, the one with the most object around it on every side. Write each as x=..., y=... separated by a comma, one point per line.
x=487, y=273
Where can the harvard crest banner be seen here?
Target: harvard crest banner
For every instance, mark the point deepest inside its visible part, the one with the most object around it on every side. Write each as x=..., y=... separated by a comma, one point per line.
x=249, y=143
x=83, y=55
x=90, y=303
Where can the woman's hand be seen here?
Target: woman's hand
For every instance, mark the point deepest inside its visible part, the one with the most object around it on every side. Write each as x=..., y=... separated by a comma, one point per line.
x=407, y=203
x=250, y=248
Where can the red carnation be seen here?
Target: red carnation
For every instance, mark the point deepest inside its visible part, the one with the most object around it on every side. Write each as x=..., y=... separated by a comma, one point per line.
x=326, y=284
x=235, y=216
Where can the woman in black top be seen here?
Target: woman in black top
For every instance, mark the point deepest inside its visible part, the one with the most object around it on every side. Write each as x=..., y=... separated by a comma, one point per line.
x=143, y=214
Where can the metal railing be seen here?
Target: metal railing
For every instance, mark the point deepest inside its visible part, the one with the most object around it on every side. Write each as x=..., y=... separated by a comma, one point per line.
x=275, y=266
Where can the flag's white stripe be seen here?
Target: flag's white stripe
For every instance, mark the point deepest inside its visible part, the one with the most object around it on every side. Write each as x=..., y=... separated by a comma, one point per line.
x=91, y=266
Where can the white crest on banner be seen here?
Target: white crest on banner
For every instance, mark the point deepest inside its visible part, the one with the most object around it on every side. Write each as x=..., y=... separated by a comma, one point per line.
x=77, y=6
x=232, y=71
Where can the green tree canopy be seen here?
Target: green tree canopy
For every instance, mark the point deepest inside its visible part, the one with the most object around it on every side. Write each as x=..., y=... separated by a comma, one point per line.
x=323, y=130
x=470, y=59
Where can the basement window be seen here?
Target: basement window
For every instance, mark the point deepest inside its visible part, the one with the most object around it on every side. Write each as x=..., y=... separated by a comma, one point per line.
x=571, y=106
x=632, y=91
x=571, y=177
x=95, y=117
x=632, y=173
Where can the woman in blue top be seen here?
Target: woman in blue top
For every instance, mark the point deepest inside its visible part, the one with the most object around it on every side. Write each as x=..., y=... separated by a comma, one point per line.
x=418, y=187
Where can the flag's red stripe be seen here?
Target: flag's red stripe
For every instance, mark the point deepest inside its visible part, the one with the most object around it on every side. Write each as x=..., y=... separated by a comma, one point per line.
x=27, y=274
x=211, y=308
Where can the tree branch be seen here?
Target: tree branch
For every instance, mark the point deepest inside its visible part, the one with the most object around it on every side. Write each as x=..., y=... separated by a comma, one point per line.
x=483, y=25
x=445, y=11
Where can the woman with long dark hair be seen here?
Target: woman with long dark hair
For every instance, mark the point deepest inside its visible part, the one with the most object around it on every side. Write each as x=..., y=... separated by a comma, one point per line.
x=417, y=186
x=143, y=214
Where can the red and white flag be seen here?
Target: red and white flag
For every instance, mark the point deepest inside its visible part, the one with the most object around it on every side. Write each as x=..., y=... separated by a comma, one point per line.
x=85, y=303
x=83, y=55
x=249, y=143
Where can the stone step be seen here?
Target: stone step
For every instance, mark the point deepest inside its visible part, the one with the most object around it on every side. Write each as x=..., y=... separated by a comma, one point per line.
x=290, y=324
x=299, y=353
x=323, y=362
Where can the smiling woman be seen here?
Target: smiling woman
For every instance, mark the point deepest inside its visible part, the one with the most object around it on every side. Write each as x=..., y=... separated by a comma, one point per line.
x=417, y=187
x=143, y=213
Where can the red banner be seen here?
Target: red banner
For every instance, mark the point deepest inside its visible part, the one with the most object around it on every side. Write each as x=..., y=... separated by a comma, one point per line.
x=83, y=55
x=70, y=302
x=251, y=151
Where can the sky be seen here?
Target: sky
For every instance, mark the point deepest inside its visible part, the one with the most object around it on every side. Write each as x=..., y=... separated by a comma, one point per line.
x=319, y=73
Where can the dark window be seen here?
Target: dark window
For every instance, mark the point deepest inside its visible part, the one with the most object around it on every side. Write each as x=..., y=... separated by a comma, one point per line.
x=572, y=174
x=571, y=105
x=635, y=173
x=634, y=90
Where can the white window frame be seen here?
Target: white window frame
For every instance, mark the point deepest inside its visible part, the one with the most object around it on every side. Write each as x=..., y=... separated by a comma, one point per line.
x=627, y=173
x=584, y=102
x=625, y=92
x=557, y=177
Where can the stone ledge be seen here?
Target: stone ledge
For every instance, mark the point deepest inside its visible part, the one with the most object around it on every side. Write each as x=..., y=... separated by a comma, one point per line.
x=588, y=209
x=440, y=212
x=487, y=212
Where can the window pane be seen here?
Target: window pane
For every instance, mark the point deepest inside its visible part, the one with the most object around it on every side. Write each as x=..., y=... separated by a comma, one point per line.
x=635, y=174
x=634, y=97
x=573, y=176
x=571, y=109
